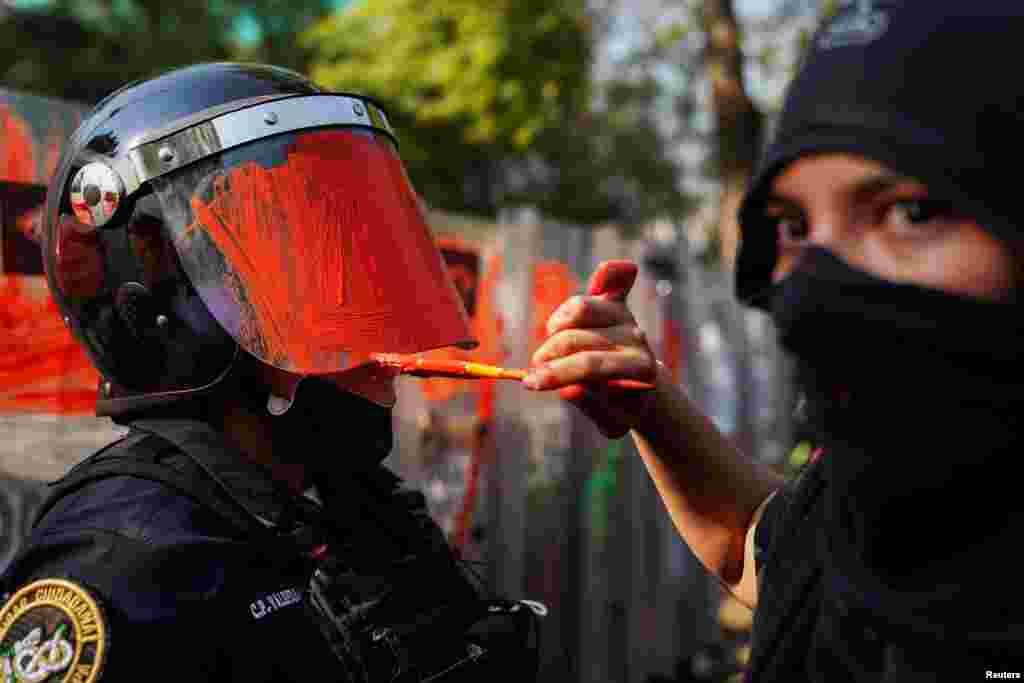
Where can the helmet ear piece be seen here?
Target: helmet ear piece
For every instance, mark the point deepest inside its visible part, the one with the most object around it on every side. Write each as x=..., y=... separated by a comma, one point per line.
x=97, y=192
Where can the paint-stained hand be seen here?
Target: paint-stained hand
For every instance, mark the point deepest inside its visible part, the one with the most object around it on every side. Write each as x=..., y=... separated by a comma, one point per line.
x=596, y=353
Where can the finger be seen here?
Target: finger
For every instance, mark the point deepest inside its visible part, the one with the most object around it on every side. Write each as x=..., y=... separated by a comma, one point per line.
x=588, y=311
x=613, y=280
x=592, y=367
x=568, y=342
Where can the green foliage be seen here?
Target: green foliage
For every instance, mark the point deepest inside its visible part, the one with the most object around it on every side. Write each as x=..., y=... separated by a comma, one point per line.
x=278, y=26
x=494, y=102
x=829, y=9
x=619, y=170
x=504, y=70
x=83, y=49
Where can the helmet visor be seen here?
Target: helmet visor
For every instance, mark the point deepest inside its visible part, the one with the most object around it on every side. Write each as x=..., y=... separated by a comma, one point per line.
x=311, y=249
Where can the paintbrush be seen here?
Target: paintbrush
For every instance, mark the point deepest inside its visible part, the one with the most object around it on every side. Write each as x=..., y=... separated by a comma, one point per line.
x=459, y=369
x=454, y=369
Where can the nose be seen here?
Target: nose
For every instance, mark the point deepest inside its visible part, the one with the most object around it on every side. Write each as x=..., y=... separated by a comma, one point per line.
x=830, y=230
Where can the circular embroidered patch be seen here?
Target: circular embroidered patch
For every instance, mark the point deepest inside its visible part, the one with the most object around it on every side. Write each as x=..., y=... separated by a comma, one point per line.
x=52, y=631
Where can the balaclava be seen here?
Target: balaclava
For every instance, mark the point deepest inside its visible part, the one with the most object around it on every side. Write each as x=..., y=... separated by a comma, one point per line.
x=323, y=427
x=327, y=429
x=916, y=393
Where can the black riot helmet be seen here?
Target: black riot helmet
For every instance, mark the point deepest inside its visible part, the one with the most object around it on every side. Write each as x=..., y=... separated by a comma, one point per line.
x=222, y=213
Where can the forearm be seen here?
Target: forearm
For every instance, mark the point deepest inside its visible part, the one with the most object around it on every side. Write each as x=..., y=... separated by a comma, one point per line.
x=709, y=488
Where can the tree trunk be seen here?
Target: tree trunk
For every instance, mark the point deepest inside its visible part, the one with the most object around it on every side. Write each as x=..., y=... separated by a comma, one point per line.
x=738, y=121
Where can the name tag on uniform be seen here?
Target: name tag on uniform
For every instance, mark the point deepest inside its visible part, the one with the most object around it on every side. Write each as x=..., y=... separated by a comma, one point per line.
x=273, y=602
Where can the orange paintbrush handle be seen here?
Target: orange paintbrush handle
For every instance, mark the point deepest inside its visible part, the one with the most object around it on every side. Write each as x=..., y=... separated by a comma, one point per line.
x=427, y=367
x=456, y=369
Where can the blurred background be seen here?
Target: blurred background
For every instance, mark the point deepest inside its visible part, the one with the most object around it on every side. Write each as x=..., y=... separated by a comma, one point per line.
x=544, y=137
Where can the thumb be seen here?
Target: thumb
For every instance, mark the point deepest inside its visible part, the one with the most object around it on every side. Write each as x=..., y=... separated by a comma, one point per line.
x=613, y=279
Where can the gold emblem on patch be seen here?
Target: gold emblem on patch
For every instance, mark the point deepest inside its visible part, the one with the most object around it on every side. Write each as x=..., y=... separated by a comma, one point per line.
x=51, y=631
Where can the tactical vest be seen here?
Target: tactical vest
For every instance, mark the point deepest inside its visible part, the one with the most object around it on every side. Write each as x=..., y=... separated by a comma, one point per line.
x=392, y=601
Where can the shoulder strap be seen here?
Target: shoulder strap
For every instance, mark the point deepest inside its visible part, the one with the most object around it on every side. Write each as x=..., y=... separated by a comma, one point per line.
x=76, y=477
x=247, y=485
x=236, y=490
x=139, y=455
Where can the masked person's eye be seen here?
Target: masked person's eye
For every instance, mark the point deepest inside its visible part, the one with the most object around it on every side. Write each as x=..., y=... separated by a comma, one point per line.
x=915, y=215
x=790, y=230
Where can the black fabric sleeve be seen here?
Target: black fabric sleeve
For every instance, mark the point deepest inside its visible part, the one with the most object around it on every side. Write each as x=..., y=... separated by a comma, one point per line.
x=789, y=579
x=768, y=525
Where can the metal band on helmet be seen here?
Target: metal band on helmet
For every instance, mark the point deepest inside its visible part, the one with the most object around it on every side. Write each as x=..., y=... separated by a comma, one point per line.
x=100, y=188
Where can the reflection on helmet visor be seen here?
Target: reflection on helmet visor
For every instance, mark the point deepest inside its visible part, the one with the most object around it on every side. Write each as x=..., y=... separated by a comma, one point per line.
x=321, y=248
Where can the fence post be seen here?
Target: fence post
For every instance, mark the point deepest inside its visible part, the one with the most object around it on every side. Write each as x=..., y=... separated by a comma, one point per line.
x=517, y=243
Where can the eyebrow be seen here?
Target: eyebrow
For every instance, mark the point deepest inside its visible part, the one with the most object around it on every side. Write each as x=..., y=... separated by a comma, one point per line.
x=864, y=189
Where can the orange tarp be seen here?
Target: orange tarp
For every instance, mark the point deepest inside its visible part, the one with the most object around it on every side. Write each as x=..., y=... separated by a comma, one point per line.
x=17, y=162
x=42, y=367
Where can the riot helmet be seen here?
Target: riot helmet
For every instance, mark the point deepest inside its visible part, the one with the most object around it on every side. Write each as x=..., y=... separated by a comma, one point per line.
x=228, y=210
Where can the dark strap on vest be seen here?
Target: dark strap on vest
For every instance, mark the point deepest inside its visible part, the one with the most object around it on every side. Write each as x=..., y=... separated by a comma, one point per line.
x=241, y=493
x=247, y=485
x=245, y=495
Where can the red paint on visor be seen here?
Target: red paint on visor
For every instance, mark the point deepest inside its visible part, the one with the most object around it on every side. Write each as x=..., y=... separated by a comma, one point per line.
x=329, y=256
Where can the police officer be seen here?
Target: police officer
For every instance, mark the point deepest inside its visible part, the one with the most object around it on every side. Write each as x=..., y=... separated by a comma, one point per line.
x=883, y=234
x=231, y=244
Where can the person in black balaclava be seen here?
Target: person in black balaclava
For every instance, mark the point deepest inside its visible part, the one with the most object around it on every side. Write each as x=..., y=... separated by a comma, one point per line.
x=882, y=232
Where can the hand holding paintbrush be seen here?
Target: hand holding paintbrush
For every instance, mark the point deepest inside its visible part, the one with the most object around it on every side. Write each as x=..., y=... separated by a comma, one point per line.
x=611, y=282
x=596, y=356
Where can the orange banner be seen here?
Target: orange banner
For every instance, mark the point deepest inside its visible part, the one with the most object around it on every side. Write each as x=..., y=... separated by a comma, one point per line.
x=553, y=283
x=17, y=161
x=462, y=262
x=42, y=368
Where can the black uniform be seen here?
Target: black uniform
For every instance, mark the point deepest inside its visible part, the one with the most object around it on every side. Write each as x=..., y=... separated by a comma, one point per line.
x=803, y=633
x=186, y=594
